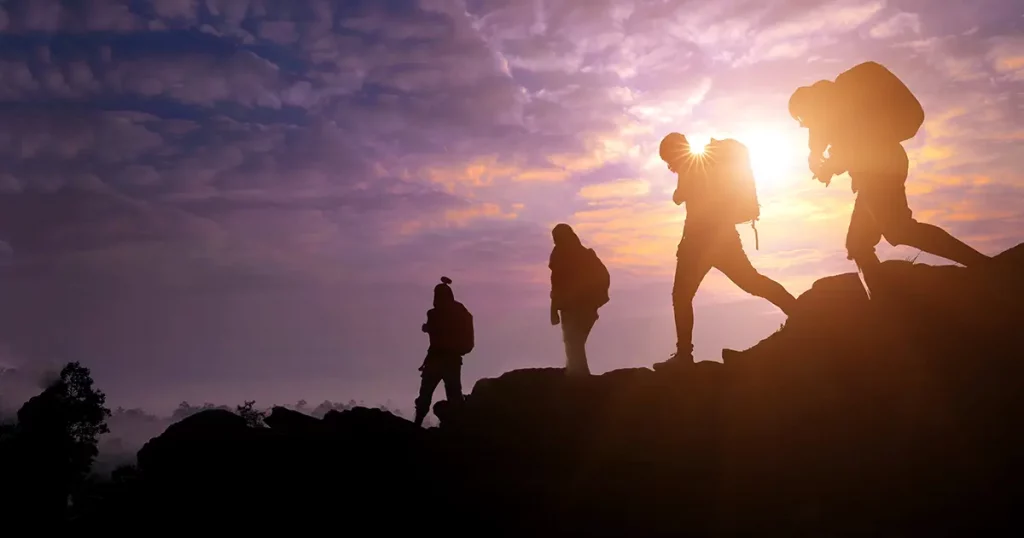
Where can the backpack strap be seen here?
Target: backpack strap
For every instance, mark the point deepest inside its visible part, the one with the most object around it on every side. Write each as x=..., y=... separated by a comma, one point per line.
x=757, y=242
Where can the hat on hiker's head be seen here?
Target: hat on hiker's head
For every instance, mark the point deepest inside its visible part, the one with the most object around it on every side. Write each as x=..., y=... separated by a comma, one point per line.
x=443, y=292
x=674, y=147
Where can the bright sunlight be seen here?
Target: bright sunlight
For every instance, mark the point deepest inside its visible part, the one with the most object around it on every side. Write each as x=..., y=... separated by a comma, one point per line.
x=778, y=155
x=697, y=143
x=774, y=156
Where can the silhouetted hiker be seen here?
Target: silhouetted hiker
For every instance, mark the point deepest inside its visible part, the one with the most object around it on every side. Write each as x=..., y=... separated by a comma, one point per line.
x=719, y=191
x=450, y=326
x=579, y=287
x=861, y=119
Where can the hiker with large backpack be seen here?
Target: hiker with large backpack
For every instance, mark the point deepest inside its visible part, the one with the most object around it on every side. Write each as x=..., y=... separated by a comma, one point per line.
x=861, y=119
x=579, y=287
x=717, y=185
x=450, y=327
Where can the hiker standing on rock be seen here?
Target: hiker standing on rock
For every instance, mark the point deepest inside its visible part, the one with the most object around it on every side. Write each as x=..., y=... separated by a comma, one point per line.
x=450, y=327
x=579, y=287
x=861, y=119
x=717, y=185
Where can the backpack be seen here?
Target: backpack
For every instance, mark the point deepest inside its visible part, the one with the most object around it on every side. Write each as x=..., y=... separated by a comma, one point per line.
x=600, y=279
x=878, y=103
x=732, y=182
x=464, y=339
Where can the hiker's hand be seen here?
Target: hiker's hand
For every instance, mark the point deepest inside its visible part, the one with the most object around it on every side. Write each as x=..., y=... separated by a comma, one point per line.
x=815, y=162
x=554, y=317
x=813, y=159
x=677, y=197
x=822, y=172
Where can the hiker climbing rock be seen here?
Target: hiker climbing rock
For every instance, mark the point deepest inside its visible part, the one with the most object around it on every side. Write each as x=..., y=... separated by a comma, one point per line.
x=861, y=119
x=579, y=287
x=450, y=327
x=717, y=186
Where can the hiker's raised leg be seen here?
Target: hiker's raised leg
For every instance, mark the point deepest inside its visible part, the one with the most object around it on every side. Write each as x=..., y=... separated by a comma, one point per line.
x=933, y=240
x=693, y=261
x=887, y=202
x=734, y=263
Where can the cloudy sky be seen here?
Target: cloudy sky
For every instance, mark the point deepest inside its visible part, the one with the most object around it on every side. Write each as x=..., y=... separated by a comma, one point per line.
x=223, y=199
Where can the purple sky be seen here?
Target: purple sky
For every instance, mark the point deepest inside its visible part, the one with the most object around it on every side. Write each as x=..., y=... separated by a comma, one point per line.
x=218, y=200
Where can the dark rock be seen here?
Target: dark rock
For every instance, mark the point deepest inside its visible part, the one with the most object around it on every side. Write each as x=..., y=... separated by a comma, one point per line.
x=363, y=421
x=198, y=443
x=286, y=421
x=894, y=415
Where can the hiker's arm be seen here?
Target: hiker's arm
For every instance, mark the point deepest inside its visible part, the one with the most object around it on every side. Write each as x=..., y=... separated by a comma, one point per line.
x=817, y=143
x=556, y=298
x=684, y=184
x=426, y=326
x=553, y=313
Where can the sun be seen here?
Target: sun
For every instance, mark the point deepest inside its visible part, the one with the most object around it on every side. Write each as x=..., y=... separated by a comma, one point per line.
x=774, y=157
x=698, y=143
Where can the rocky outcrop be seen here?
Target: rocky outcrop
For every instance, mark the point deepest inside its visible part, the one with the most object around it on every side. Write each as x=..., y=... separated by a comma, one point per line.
x=893, y=415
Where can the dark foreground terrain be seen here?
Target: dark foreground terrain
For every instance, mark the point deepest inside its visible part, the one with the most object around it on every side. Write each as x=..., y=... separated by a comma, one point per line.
x=895, y=416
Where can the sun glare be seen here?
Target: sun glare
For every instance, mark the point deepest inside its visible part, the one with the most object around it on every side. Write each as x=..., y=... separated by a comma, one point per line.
x=773, y=156
x=697, y=143
x=776, y=154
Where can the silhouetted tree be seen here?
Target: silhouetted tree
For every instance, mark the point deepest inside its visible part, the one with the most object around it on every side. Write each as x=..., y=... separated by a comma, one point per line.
x=253, y=417
x=55, y=441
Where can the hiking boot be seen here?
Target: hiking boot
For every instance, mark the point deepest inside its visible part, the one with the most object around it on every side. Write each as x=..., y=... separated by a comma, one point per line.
x=677, y=360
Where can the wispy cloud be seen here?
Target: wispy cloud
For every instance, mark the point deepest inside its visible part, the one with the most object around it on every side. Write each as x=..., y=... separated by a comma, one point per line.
x=616, y=190
x=275, y=186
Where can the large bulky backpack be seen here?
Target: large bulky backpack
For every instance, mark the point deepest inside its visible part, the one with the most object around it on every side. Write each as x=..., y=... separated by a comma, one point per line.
x=879, y=103
x=732, y=180
x=464, y=337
